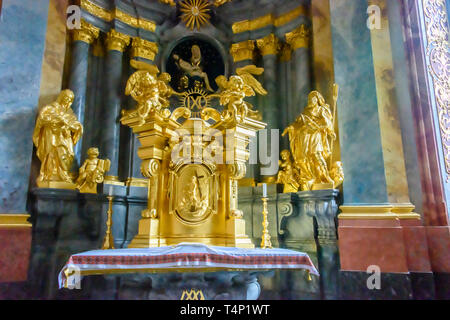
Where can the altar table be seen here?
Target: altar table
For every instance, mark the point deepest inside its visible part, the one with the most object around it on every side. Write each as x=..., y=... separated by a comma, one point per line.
x=183, y=257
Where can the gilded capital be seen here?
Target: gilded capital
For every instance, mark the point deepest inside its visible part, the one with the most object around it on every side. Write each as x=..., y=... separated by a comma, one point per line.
x=117, y=41
x=143, y=49
x=87, y=33
x=298, y=38
x=242, y=50
x=268, y=45
x=285, y=52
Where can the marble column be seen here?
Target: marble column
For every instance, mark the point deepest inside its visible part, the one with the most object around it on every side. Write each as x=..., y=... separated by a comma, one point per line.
x=242, y=53
x=298, y=39
x=284, y=90
x=116, y=43
x=82, y=39
x=268, y=47
x=370, y=227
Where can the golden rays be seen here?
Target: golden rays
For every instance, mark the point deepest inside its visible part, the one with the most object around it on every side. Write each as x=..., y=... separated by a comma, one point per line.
x=195, y=13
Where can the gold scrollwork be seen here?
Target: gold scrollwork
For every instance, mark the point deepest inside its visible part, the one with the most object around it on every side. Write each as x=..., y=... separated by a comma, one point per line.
x=150, y=168
x=436, y=21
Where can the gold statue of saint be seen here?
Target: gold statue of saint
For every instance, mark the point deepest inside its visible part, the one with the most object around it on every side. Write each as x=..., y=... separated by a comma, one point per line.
x=236, y=89
x=92, y=172
x=311, y=139
x=150, y=91
x=192, y=68
x=288, y=175
x=56, y=132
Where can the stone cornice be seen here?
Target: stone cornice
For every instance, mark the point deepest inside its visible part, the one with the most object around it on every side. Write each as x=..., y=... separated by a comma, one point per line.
x=267, y=20
x=117, y=14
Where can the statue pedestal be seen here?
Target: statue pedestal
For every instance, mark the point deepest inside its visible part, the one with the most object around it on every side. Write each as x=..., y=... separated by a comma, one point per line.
x=311, y=228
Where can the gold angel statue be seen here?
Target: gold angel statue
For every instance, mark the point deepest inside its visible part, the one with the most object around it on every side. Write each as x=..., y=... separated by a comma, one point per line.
x=311, y=139
x=92, y=172
x=150, y=91
x=56, y=132
x=236, y=89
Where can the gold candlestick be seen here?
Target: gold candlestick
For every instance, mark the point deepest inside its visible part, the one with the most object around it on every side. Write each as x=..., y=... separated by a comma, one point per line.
x=108, y=242
x=265, y=239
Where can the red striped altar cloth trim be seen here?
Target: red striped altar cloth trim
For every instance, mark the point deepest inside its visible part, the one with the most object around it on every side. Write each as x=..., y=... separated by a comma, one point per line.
x=184, y=257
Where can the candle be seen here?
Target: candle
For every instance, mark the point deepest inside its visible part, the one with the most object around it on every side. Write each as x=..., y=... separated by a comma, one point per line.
x=264, y=190
x=110, y=190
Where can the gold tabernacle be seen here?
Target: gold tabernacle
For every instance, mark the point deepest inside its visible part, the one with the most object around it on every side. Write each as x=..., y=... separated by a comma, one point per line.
x=193, y=166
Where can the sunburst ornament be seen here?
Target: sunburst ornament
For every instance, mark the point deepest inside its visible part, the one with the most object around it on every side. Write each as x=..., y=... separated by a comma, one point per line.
x=195, y=13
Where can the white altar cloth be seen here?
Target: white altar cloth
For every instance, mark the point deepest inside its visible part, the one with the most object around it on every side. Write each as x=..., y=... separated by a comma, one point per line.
x=183, y=257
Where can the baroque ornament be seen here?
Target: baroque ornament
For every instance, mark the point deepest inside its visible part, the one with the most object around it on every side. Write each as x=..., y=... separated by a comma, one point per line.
x=438, y=55
x=194, y=13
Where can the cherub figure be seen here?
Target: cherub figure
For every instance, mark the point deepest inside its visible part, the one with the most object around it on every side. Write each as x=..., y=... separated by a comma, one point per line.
x=92, y=172
x=337, y=173
x=150, y=91
x=287, y=175
x=236, y=89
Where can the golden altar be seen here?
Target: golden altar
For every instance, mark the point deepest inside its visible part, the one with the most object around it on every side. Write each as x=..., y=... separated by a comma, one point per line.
x=193, y=166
